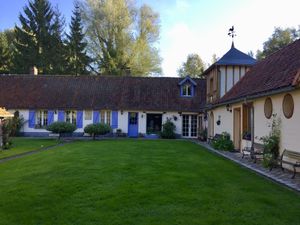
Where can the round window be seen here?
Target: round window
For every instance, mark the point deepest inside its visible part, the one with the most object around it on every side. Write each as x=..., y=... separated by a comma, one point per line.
x=268, y=108
x=288, y=106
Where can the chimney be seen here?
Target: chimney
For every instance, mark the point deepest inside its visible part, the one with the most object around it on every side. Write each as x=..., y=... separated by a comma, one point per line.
x=34, y=71
x=127, y=71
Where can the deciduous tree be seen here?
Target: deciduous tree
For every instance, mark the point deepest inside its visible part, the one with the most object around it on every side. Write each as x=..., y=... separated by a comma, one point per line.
x=122, y=37
x=193, y=66
x=280, y=38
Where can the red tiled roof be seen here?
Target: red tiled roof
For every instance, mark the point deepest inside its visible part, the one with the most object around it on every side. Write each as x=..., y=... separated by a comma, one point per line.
x=98, y=92
x=273, y=73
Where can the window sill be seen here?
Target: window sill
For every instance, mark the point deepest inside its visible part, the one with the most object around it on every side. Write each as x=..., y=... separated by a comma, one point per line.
x=186, y=96
x=40, y=127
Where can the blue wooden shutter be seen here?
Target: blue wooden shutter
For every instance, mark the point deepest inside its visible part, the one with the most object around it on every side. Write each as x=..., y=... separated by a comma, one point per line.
x=50, y=117
x=114, y=123
x=61, y=116
x=79, y=119
x=31, y=119
x=192, y=90
x=96, y=116
x=181, y=90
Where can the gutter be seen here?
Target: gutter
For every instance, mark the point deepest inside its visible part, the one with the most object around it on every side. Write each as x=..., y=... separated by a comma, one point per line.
x=251, y=97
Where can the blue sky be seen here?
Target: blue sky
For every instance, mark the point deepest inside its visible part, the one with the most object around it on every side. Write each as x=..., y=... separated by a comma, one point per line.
x=197, y=26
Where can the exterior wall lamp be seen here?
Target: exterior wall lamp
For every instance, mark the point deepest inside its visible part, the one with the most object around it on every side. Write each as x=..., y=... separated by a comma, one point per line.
x=219, y=120
x=228, y=108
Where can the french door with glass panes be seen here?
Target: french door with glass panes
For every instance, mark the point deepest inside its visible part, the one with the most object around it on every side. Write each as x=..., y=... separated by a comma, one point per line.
x=189, y=126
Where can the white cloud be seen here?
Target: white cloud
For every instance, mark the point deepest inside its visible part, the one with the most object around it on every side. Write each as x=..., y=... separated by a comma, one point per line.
x=187, y=28
x=180, y=43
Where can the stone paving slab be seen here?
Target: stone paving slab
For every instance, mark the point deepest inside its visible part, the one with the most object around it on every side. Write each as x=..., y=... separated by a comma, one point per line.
x=277, y=175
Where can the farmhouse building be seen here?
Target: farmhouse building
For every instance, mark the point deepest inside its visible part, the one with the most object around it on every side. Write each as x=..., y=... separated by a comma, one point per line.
x=135, y=105
x=238, y=95
x=268, y=91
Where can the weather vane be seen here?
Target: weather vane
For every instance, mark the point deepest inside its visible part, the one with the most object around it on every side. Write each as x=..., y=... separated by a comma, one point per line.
x=231, y=33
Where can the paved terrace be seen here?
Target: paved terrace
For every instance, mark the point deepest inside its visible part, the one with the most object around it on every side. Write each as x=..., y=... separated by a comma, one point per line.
x=276, y=175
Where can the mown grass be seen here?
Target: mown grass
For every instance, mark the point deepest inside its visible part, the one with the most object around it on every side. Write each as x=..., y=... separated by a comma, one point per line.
x=138, y=182
x=21, y=145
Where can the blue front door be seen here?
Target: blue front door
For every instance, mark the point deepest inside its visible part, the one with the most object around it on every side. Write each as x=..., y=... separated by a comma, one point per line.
x=133, y=123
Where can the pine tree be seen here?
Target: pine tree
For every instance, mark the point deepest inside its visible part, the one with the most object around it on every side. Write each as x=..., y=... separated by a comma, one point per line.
x=77, y=57
x=6, y=51
x=35, y=38
x=59, y=49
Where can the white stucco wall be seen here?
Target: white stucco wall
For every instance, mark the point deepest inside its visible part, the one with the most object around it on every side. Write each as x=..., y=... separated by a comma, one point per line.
x=290, y=129
x=229, y=80
x=122, y=121
x=142, y=123
x=222, y=81
x=178, y=122
x=226, y=118
x=234, y=73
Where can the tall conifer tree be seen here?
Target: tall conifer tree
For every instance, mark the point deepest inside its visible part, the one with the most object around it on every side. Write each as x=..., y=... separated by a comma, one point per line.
x=59, y=49
x=78, y=60
x=35, y=38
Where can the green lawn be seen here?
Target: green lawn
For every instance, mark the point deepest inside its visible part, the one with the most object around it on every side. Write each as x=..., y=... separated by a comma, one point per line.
x=21, y=145
x=130, y=182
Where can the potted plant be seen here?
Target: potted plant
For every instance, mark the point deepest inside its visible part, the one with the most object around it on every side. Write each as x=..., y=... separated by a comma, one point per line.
x=247, y=135
x=203, y=134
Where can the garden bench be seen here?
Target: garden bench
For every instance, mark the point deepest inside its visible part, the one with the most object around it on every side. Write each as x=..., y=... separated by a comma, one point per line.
x=291, y=158
x=212, y=138
x=254, y=151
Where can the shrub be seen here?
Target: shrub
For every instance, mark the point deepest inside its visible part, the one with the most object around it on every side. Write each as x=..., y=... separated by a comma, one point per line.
x=61, y=128
x=203, y=134
x=97, y=129
x=223, y=142
x=6, y=130
x=271, y=143
x=168, y=130
x=15, y=124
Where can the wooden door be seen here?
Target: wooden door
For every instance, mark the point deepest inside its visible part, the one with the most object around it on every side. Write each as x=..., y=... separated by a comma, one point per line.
x=133, y=129
x=237, y=128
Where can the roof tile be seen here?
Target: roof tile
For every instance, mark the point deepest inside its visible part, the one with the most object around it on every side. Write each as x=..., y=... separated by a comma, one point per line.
x=98, y=92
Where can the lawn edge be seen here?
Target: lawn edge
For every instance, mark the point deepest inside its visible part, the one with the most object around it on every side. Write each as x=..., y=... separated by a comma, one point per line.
x=261, y=173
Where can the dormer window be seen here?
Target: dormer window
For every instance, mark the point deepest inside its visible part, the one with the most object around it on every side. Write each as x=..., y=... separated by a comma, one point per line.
x=187, y=90
x=187, y=87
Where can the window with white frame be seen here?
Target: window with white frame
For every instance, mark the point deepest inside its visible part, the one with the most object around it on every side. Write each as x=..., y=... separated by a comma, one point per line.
x=187, y=90
x=41, y=118
x=105, y=117
x=70, y=117
x=88, y=115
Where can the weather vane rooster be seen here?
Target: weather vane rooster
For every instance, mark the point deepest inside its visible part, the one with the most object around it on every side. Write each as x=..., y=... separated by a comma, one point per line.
x=231, y=33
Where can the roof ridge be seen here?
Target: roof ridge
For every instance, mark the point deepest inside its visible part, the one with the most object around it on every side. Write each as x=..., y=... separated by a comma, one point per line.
x=93, y=76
